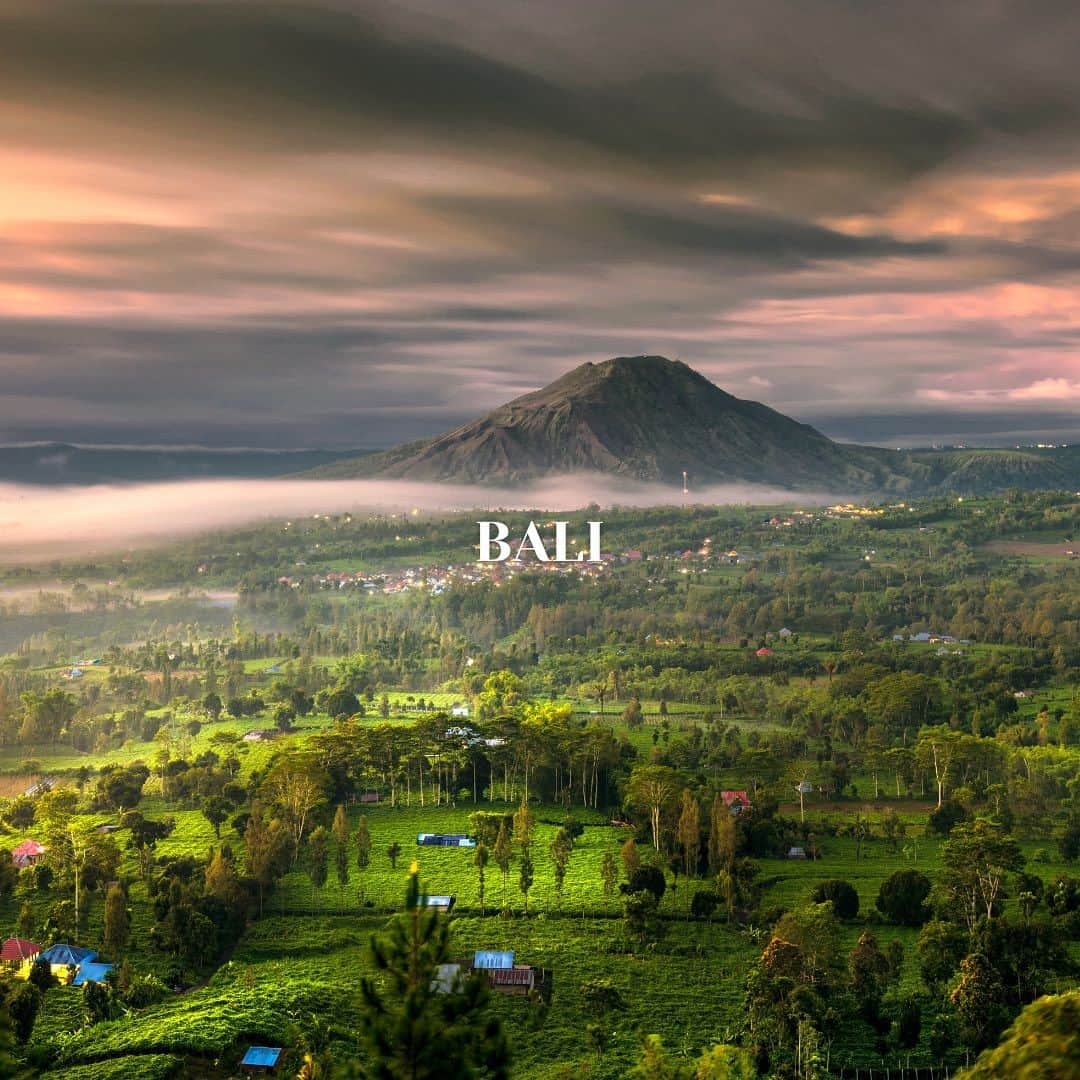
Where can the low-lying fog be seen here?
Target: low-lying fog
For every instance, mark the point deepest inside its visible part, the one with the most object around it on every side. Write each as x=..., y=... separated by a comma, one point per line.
x=46, y=522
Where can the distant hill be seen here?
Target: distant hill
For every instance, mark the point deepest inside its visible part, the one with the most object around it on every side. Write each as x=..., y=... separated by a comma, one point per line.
x=643, y=418
x=62, y=463
x=983, y=472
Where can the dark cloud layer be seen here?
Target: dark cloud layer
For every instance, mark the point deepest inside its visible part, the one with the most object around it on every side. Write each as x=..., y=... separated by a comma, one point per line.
x=353, y=223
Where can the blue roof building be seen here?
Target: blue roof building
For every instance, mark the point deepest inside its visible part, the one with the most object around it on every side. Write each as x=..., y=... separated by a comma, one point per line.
x=61, y=955
x=261, y=1057
x=492, y=960
x=91, y=972
x=438, y=903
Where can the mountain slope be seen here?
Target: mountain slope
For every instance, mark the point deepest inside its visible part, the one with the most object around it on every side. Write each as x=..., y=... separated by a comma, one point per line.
x=643, y=418
x=647, y=418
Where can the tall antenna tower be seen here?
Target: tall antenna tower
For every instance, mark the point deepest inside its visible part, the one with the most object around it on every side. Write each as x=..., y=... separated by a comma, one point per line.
x=685, y=485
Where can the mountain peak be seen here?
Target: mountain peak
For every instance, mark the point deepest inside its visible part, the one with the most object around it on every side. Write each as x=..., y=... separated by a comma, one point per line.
x=639, y=417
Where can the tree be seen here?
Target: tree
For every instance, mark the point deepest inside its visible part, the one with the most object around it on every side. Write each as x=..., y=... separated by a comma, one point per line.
x=977, y=859
x=902, y=898
x=318, y=859
x=9, y=874
x=814, y=930
x=609, y=872
x=688, y=833
x=340, y=833
x=96, y=1002
x=648, y=879
x=597, y=1038
x=601, y=996
x=284, y=715
x=23, y=1003
x=216, y=810
x=503, y=853
x=411, y=1030
x=269, y=850
x=297, y=785
x=940, y=948
x=1044, y=1041
x=144, y=834
x=640, y=916
x=869, y=970
x=561, y=847
x=631, y=860
x=339, y=702
x=81, y=856
x=480, y=861
x=722, y=839
x=842, y=895
x=1069, y=842
x=212, y=704
x=525, y=877
x=651, y=789
x=7, y=1034
x=524, y=823
x=979, y=1001
x=221, y=882
x=41, y=973
x=117, y=928
x=717, y=1062
x=392, y=853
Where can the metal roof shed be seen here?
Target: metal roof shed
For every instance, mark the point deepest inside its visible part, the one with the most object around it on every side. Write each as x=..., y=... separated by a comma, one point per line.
x=492, y=959
x=261, y=1057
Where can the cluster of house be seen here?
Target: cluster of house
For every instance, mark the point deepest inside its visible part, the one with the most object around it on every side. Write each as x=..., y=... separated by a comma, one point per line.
x=77, y=671
x=497, y=967
x=947, y=642
x=437, y=579
x=69, y=963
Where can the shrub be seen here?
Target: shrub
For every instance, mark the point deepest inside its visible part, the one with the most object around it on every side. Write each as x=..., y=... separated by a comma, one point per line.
x=704, y=904
x=902, y=898
x=946, y=817
x=845, y=900
x=648, y=879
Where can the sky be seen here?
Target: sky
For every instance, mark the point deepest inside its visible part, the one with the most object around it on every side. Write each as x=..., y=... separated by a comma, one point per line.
x=350, y=224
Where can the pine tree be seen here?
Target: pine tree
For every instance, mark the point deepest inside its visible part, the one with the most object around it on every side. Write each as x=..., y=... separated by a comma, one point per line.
x=363, y=852
x=340, y=832
x=318, y=859
x=524, y=822
x=631, y=860
x=503, y=854
x=688, y=833
x=561, y=847
x=414, y=1031
x=609, y=873
x=7, y=1035
x=526, y=876
x=480, y=861
x=117, y=928
x=721, y=837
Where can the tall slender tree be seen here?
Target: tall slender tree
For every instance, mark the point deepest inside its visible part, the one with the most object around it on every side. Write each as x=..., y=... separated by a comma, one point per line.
x=363, y=852
x=688, y=833
x=480, y=861
x=318, y=859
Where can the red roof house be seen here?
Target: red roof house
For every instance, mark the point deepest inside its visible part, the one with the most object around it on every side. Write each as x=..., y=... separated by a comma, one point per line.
x=735, y=800
x=16, y=951
x=764, y=651
x=27, y=853
x=516, y=980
